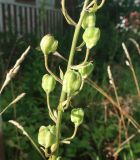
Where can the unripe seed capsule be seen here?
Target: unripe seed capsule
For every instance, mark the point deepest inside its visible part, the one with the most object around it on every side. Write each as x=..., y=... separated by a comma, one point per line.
x=77, y=116
x=47, y=136
x=48, y=44
x=72, y=82
x=89, y=20
x=91, y=36
x=48, y=83
x=86, y=69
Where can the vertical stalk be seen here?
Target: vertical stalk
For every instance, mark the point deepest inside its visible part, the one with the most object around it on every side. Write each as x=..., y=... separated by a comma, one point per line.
x=76, y=34
x=63, y=94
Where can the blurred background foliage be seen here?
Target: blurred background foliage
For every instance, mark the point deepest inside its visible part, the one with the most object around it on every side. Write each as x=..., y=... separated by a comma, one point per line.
x=95, y=136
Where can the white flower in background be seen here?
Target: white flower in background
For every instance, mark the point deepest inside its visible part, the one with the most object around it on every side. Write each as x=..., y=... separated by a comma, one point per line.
x=130, y=22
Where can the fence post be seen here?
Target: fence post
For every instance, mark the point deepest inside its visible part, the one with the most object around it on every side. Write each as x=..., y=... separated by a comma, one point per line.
x=22, y=18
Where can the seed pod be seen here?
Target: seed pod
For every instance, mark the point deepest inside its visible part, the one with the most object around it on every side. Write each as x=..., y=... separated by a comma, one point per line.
x=77, y=116
x=48, y=44
x=91, y=36
x=47, y=136
x=72, y=82
x=86, y=69
x=89, y=20
x=48, y=83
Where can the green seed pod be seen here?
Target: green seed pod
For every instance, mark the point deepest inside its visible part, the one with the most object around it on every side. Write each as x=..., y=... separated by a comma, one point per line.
x=91, y=36
x=47, y=136
x=77, y=116
x=72, y=82
x=86, y=69
x=48, y=83
x=89, y=20
x=48, y=44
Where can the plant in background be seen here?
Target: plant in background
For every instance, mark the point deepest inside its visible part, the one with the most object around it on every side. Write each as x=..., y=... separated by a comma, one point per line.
x=72, y=80
x=130, y=22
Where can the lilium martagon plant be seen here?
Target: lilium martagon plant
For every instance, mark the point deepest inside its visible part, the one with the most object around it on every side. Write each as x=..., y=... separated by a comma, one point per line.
x=72, y=81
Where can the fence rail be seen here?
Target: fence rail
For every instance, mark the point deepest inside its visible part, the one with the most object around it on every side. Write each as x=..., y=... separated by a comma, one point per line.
x=22, y=19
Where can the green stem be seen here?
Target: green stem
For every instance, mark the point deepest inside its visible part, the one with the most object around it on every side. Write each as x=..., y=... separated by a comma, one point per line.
x=76, y=34
x=58, y=124
x=79, y=48
x=87, y=55
x=50, y=72
x=66, y=15
x=63, y=94
x=49, y=108
x=131, y=152
x=101, y=4
x=73, y=135
x=68, y=102
x=124, y=157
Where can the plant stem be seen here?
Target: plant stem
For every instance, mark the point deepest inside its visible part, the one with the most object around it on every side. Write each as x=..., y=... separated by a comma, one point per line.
x=16, y=124
x=101, y=4
x=50, y=72
x=87, y=55
x=73, y=135
x=49, y=108
x=131, y=68
x=76, y=34
x=66, y=15
x=68, y=102
x=63, y=94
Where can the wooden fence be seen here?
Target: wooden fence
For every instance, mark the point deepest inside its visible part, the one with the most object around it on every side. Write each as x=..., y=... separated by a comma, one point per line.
x=22, y=19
